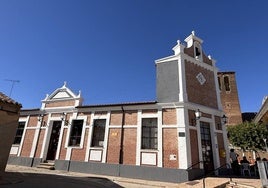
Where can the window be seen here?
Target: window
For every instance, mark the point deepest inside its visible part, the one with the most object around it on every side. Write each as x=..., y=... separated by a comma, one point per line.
x=76, y=132
x=19, y=133
x=197, y=52
x=227, y=83
x=98, y=133
x=149, y=133
x=219, y=82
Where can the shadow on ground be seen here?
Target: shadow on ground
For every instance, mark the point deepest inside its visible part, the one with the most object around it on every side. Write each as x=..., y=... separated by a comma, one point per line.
x=17, y=179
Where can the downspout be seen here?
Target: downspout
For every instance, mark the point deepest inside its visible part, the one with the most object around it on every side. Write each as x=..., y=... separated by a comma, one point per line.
x=122, y=136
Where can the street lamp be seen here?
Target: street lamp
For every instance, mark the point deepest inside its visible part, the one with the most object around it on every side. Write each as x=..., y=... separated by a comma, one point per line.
x=197, y=114
x=224, y=118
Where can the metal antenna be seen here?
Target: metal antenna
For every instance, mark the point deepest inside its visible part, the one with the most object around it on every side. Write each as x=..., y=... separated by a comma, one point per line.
x=13, y=82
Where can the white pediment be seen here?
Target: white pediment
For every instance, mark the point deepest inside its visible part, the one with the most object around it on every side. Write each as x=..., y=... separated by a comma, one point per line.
x=60, y=95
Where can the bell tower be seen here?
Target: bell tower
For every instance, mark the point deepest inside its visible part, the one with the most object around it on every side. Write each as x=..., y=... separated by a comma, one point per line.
x=188, y=75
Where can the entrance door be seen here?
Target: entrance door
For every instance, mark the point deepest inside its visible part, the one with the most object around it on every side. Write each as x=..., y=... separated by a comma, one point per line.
x=54, y=139
x=207, y=152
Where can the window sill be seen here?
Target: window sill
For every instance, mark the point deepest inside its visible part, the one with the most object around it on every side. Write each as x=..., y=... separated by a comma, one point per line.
x=149, y=150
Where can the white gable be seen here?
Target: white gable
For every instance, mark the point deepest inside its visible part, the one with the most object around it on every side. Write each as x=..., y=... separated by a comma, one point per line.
x=61, y=94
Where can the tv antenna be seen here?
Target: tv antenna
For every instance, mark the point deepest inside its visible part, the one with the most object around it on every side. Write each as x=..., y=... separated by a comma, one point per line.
x=13, y=82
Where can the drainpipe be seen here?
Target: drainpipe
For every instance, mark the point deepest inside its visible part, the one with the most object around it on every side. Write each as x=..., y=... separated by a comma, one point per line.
x=122, y=136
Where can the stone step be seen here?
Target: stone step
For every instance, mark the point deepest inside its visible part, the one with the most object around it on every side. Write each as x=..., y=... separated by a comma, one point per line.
x=49, y=166
x=238, y=185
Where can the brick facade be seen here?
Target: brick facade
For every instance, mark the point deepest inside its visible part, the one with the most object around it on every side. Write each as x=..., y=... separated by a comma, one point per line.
x=170, y=148
x=197, y=93
x=229, y=97
x=27, y=143
x=113, y=150
x=162, y=134
x=129, y=146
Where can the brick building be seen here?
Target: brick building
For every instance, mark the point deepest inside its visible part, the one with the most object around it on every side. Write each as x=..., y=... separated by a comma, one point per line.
x=9, y=115
x=164, y=140
x=229, y=97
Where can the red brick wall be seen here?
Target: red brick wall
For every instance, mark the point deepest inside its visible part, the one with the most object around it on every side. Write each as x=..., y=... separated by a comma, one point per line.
x=169, y=116
x=113, y=150
x=40, y=143
x=230, y=99
x=27, y=143
x=194, y=148
x=170, y=147
x=129, y=147
x=191, y=115
x=201, y=94
x=63, y=150
x=218, y=124
x=116, y=118
x=190, y=52
x=131, y=117
x=221, y=148
x=88, y=114
x=60, y=103
x=33, y=120
x=149, y=111
x=78, y=154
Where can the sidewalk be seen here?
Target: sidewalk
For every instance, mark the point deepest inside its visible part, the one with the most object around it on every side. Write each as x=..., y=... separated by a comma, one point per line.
x=21, y=176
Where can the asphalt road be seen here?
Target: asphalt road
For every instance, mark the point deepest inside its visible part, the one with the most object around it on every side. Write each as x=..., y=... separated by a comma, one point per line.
x=20, y=180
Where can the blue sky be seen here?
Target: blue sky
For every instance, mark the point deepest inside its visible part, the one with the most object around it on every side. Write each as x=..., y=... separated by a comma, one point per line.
x=107, y=48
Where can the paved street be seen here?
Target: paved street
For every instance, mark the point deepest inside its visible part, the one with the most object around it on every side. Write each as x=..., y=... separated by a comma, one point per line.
x=16, y=179
x=20, y=176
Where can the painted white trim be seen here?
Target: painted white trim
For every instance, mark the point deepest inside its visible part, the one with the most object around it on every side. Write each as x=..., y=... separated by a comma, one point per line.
x=68, y=153
x=106, y=134
x=160, y=139
x=183, y=97
x=215, y=146
x=159, y=150
x=26, y=120
x=197, y=62
x=169, y=126
x=120, y=126
x=89, y=137
x=60, y=140
x=105, y=144
x=199, y=142
x=138, y=146
x=226, y=143
x=30, y=128
x=84, y=118
x=149, y=158
x=47, y=134
x=217, y=88
x=149, y=115
x=184, y=157
x=168, y=58
x=66, y=145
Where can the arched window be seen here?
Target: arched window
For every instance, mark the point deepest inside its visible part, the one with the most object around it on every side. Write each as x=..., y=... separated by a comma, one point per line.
x=227, y=83
x=197, y=51
x=219, y=82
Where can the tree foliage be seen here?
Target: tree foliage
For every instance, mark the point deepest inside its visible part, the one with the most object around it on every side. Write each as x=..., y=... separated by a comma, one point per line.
x=248, y=135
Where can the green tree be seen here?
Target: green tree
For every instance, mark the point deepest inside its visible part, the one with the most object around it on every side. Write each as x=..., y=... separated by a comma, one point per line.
x=248, y=135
